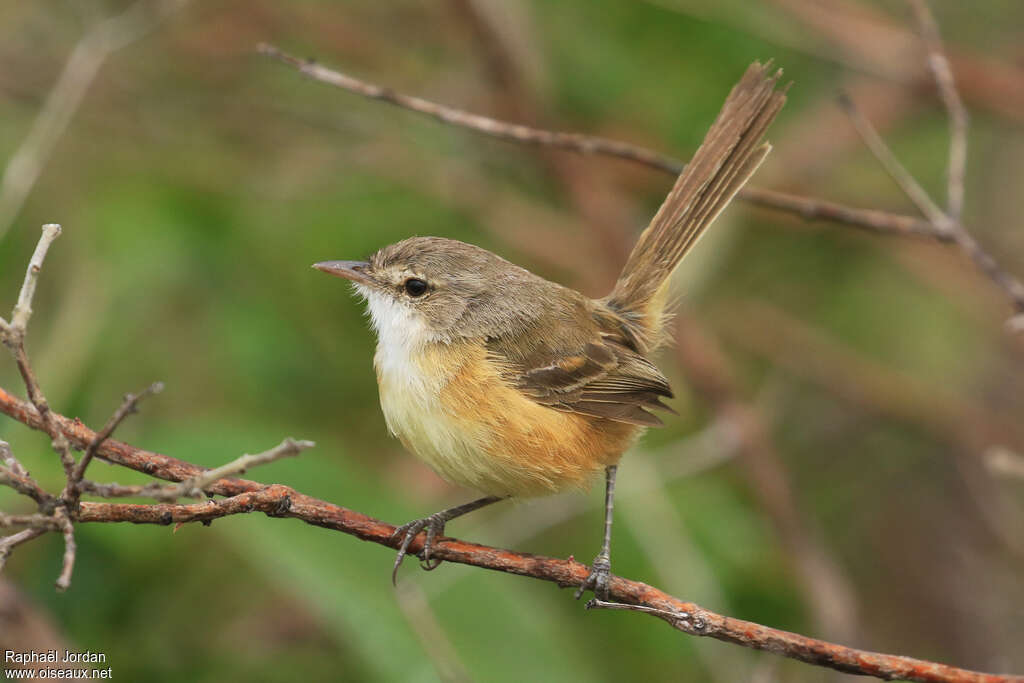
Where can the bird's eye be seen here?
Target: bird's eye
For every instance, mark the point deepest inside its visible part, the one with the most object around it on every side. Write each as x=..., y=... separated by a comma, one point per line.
x=415, y=287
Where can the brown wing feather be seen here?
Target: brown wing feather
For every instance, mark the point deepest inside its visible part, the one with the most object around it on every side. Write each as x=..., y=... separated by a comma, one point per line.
x=587, y=357
x=599, y=377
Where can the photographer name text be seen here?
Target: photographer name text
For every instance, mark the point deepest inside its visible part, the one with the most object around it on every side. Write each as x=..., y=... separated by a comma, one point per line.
x=54, y=656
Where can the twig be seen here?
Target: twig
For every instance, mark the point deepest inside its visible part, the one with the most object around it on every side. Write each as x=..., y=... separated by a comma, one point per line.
x=415, y=607
x=674, y=618
x=46, y=522
x=804, y=207
x=67, y=530
x=10, y=461
x=23, y=309
x=810, y=208
x=114, y=490
x=941, y=223
x=25, y=485
x=8, y=543
x=195, y=486
x=13, y=336
x=277, y=500
x=274, y=500
x=88, y=55
x=128, y=406
x=576, y=142
x=1005, y=462
x=14, y=474
x=892, y=165
x=943, y=75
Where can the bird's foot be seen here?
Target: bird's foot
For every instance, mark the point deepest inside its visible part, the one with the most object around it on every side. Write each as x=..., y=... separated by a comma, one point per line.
x=434, y=525
x=597, y=579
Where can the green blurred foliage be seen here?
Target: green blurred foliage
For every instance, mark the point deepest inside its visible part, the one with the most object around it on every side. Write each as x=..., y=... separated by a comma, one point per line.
x=198, y=181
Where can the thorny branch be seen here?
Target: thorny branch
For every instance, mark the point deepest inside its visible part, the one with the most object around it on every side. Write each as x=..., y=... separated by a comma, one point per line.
x=805, y=207
x=239, y=496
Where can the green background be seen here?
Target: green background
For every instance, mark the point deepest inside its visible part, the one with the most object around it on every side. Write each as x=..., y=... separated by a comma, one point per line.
x=198, y=181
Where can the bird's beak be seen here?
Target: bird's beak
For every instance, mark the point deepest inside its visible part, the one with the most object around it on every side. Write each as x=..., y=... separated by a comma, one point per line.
x=350, y=270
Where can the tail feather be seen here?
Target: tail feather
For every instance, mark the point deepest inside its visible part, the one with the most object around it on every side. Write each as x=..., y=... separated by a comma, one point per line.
x=729, y=155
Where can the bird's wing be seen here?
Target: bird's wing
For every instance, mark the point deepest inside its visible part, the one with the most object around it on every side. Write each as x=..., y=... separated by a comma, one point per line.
x=593, y=372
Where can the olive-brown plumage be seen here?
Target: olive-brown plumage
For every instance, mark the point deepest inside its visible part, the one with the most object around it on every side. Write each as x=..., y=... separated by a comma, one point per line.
x=517, y=386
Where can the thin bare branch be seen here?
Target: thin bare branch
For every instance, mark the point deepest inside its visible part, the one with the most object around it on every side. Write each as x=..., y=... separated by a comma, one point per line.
x=10, y=462
x=88, y=55
x=988, y=265
x=416, y=609
x=872, y=220
x=195, y=486
x=1005, y=462
x=114, y=490
x=25, y=485
x=8, y=543
x=576, y=142
x=942, y=72
x=23, y=309
x=892, y=165
x=936, y=227
x=803, y=207
x=35, y=521
x=943, y=224
x=67, y=530
x=128, y=406
x=13, y=336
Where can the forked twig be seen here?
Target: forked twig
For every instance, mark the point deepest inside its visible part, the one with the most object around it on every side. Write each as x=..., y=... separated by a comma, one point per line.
x=942, y=72
x=128, y=406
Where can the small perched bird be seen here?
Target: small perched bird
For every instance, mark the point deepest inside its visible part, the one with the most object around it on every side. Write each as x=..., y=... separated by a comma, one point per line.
x=516, y=386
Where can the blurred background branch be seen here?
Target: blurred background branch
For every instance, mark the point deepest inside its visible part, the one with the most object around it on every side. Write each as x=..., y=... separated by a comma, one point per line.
x=86, y=58
x=938, y=225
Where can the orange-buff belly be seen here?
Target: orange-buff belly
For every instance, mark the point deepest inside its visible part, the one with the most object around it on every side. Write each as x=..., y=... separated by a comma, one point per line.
x=450, y=406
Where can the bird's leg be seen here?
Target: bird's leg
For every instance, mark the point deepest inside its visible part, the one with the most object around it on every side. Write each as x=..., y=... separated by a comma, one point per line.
x=597, y=579
x=434, y=525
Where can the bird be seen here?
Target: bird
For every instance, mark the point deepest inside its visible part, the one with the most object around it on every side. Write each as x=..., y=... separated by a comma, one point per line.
x=516, y=386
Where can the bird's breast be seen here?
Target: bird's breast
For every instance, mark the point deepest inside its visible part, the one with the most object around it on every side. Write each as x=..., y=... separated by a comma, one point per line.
x=450, y=406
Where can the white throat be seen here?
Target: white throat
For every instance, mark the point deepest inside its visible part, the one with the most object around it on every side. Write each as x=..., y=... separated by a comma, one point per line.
x=401, y=332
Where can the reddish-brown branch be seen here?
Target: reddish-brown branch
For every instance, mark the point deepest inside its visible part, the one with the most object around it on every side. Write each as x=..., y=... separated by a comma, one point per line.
x=282, y=501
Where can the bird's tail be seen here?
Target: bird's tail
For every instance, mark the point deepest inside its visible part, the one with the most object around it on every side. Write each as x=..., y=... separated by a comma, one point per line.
x=729, y=155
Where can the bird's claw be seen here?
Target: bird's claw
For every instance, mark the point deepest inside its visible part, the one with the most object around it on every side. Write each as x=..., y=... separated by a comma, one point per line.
x=598, y=578
x=434, y=525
